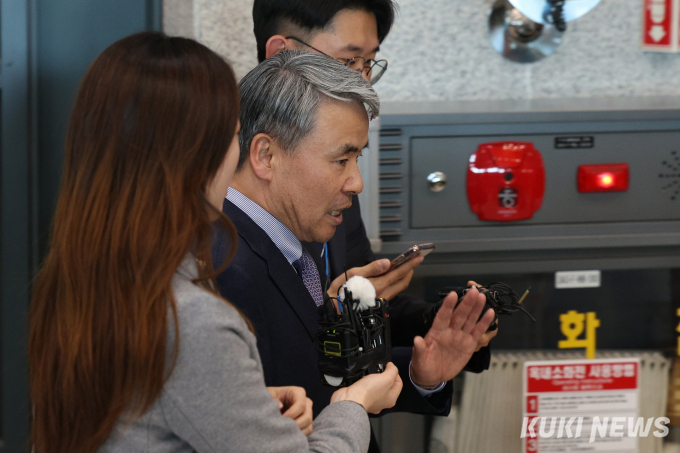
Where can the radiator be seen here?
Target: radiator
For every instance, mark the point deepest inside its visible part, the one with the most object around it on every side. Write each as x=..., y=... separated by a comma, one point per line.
x=489, y=416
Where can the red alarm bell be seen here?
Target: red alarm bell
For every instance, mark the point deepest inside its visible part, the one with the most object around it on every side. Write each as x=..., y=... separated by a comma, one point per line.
x=505, y=181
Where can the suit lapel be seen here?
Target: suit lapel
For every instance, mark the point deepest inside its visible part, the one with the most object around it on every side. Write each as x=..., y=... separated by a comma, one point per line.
x=280, y=271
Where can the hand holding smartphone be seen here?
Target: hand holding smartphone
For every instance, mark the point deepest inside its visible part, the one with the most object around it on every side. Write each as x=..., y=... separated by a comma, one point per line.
x=412, y=252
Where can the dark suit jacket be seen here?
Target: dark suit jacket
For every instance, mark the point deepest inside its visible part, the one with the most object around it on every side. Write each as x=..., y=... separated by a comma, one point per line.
x=266, y=288
x=350, y=248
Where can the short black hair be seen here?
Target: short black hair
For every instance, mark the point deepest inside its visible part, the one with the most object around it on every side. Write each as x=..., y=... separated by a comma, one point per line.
x=269, y=16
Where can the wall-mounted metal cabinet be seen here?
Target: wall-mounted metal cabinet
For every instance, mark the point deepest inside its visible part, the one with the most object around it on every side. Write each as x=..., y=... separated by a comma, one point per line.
x=638, y=228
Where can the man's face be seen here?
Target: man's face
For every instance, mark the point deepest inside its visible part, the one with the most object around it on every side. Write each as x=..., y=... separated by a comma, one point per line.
x=351, y=34
x=310, y=189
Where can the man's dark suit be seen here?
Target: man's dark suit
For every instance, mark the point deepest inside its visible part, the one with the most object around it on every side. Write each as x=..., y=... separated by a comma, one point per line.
x=266, y=288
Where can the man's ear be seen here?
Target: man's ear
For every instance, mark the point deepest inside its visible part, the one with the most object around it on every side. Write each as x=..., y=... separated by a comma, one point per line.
x=275, y=44
x=261, y=152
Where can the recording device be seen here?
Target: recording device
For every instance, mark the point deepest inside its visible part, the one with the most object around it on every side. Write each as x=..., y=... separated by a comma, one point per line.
x=499, y=297
x=355, y=338
x=412, y=252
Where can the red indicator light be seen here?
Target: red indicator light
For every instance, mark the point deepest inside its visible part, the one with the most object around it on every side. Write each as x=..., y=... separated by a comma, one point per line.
x=606, y=180
x=603, y=178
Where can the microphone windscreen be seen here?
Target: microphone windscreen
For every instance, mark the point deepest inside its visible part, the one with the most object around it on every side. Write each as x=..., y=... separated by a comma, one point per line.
x=362, y=290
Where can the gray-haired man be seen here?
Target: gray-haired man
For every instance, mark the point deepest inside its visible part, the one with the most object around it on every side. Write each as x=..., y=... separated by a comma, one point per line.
x=304, y=123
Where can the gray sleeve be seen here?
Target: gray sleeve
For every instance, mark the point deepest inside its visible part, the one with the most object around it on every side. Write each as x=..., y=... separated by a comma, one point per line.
x=216, y=399
x=336, y=429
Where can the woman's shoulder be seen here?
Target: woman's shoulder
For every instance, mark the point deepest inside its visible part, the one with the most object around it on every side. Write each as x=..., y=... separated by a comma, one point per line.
x=198, y=307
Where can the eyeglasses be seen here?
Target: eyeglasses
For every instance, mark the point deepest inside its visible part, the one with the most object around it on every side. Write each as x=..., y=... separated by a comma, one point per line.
x=372, y=70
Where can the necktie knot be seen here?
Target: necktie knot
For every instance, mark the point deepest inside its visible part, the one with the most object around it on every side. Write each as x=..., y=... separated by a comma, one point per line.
x=306, y=267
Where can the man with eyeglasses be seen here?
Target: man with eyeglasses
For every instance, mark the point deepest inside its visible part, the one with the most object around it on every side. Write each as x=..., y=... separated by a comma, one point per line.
x=351, y=31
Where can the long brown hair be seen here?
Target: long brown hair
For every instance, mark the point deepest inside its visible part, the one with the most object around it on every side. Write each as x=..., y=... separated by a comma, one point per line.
x=151, y=124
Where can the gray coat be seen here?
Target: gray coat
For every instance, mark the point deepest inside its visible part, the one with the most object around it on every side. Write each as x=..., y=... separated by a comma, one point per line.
x=215, y=399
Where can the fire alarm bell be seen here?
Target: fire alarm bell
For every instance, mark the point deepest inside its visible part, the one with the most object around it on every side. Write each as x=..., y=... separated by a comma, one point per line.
x=505, y=181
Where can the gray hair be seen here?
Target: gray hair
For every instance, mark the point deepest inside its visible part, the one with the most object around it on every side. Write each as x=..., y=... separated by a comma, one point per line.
x=281, y=96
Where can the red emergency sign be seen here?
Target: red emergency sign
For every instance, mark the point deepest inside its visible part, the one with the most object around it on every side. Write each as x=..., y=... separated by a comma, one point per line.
x=582, y=377
x=661, y=25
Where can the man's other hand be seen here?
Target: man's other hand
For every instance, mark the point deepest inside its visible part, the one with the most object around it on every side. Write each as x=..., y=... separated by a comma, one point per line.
x=486, y=338
x=451, y=341
x=294, y=404
x=387, y=284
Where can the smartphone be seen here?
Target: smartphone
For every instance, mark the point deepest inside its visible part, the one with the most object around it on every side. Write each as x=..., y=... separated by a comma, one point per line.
x=412, y=252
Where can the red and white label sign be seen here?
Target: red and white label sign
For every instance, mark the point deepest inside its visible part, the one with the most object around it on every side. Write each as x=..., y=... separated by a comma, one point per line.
x=582, y=377
x=660, y=25
x=566, y=401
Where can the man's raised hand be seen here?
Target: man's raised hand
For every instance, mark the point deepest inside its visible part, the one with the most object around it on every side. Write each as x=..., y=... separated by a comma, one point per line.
x=451, y=341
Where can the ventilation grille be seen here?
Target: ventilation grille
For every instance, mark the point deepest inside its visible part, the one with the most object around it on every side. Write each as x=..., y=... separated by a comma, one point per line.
x=390, y=132
x=392, y=181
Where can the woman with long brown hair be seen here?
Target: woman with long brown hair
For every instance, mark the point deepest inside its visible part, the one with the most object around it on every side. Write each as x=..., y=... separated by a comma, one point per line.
x=130, y=348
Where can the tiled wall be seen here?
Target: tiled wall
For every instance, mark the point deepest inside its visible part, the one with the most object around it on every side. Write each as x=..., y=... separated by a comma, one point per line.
x=439, y=50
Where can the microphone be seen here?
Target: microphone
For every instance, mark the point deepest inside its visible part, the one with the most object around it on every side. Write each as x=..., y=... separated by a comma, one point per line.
x=355, y=338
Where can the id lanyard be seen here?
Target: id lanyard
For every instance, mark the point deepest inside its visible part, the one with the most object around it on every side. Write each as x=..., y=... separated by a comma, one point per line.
x=328, y=266
x=328, y=273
